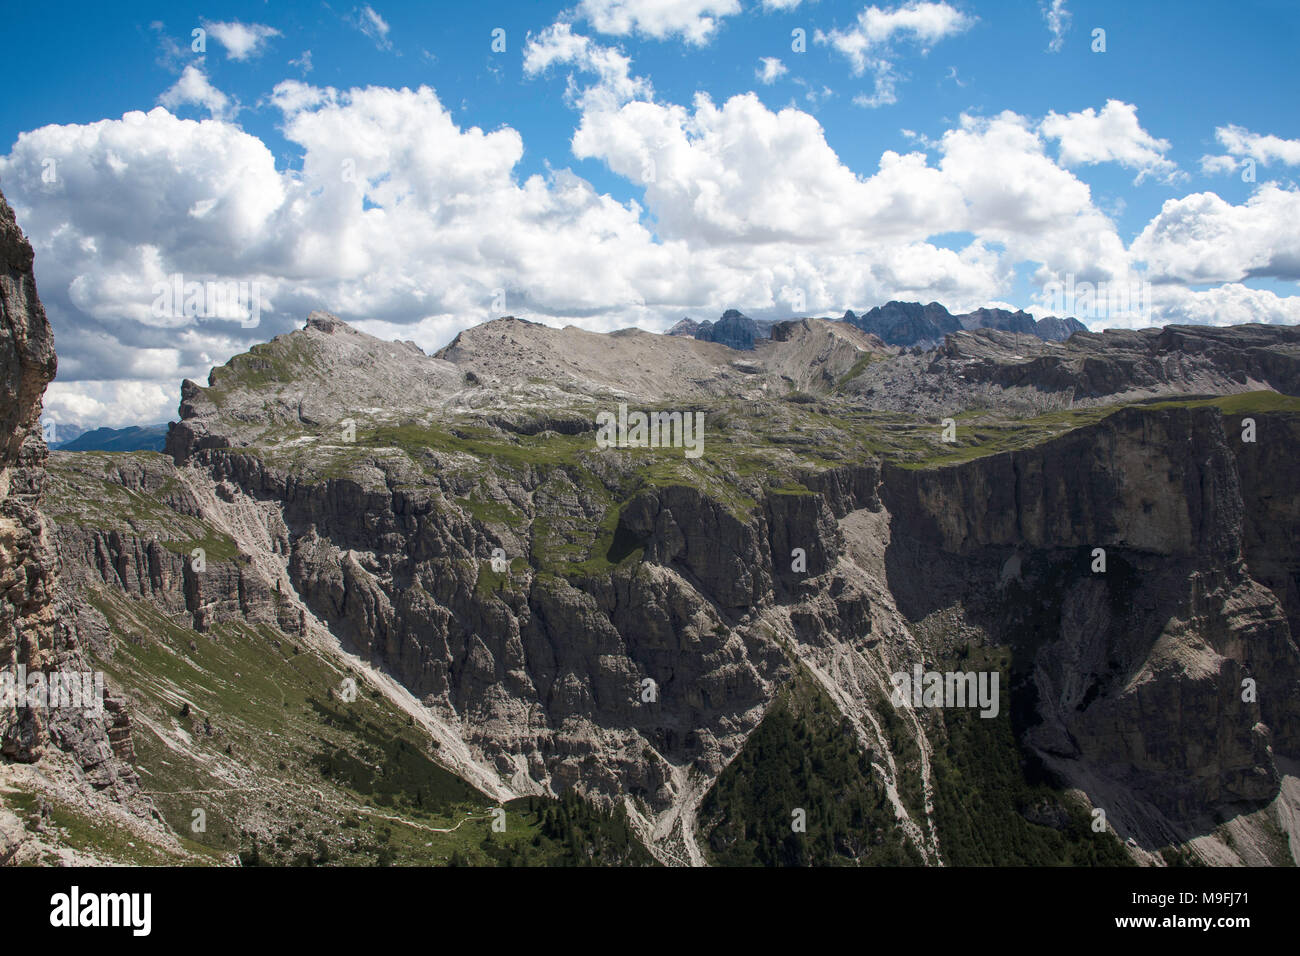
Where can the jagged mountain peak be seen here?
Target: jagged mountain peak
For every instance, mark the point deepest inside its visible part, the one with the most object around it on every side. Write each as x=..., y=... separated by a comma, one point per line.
x=327, y=322
x=321, y=374
x=910, y=324
x=735, y=330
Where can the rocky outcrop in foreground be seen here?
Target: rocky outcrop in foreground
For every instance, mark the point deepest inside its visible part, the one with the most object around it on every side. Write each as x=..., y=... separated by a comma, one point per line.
x=79, y=754
x=27, y=566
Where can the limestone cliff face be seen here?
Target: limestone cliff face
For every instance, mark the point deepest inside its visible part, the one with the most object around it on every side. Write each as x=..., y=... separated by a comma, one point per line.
x=148, y=553
x=1162, y=483
x=34, y=610
x=546, y=675
x=27, y=365
x=1134, y=674
x=1271, y=525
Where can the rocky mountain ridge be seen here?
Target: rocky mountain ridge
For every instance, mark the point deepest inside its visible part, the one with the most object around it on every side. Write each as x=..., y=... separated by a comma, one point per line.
x=129, y=438
x=900, y=324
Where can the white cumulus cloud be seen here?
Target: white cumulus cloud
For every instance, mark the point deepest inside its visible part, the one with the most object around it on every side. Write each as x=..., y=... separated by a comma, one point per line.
x=695, y=21
x=770, y=69
x=194, y=89
x=558, y=45
x=1242, y=144
x=870, y=44
x=1112, y=135
x=242, y=41
x=1203, y=238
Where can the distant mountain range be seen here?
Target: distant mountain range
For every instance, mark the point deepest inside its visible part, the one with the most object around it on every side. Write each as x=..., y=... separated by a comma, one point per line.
x=904, y=324
x=911, y=323
x=131, y=438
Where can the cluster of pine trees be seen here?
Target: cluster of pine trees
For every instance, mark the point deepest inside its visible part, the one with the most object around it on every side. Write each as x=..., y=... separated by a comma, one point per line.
x=570, y=832
x=803, y=757
x=988, y=789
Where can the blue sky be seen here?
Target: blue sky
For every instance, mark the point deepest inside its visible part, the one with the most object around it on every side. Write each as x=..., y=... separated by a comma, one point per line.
x=627, y=162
